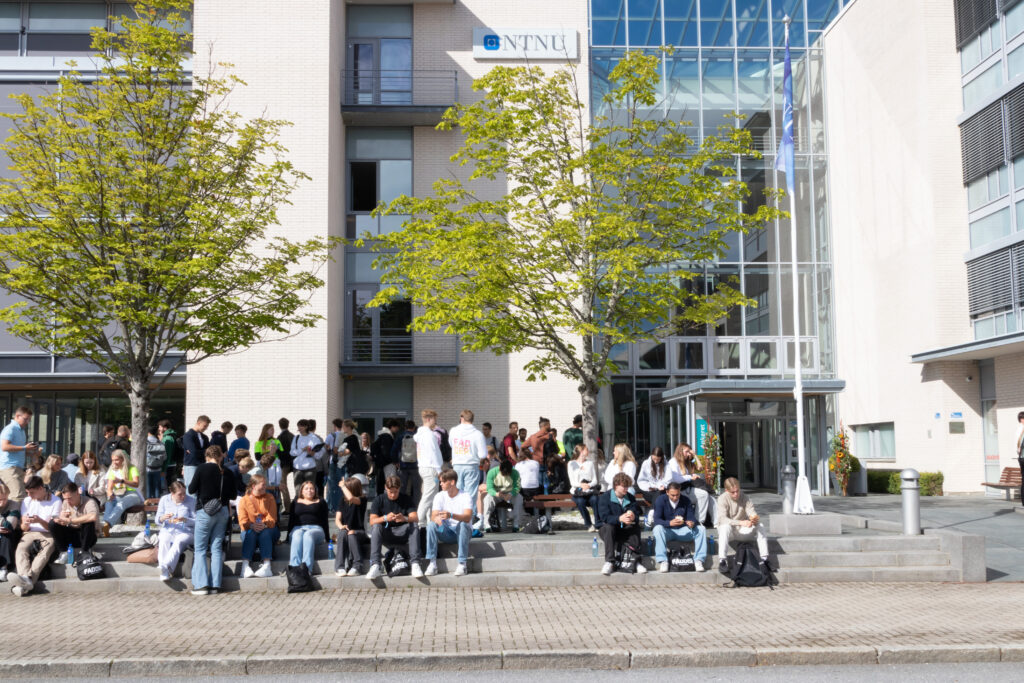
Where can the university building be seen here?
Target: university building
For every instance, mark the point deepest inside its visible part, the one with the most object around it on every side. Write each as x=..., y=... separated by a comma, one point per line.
x=907, y=223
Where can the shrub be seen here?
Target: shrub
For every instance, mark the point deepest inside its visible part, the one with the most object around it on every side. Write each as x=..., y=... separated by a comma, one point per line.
x=878, y=480
x=930, y=483
x=854, y=464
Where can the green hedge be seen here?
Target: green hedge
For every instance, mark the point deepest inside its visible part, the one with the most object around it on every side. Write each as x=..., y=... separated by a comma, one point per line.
x=888, y=481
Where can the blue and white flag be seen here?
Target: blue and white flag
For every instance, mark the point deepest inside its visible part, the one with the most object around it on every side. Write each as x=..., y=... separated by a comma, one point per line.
x=784, y=160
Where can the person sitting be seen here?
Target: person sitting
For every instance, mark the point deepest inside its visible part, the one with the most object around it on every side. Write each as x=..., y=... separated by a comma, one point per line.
x=394, y=521
x=620, y=521
x=77, y=524
x=558, y=475
x=257, y=520
x=738, y=521
x=503, y=486
x=451, y=522
x=271, y=467
x=307, y=525
x=674, y=520
x=583, y=484
x=176, y=515
x=348, y=559
x=92, y=478
x=622, y=462
x=246, y=466
x=37, y=509
x=10, y=530
x=53, y=475
x=654, y=476
x=687, y=469
x=122, y=489
x=529, y=474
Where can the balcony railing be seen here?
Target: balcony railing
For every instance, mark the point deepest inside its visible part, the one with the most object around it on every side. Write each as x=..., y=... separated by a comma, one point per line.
x=400, y=88
x=428, y=353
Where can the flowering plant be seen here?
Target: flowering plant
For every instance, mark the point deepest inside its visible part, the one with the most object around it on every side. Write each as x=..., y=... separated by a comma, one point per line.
x=712, y=459
x=840, y=463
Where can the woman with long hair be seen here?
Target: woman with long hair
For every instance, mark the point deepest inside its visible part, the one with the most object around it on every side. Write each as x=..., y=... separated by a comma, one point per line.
x=122, y=488
x=654, y=476
x=687, y=469
x=583, y=484
x=213, y=486
x=257, y=519
x=307, y=524
x=53, y=476
x=351, y=522
x=622, y=462
x=176, y=516
x=92, y=478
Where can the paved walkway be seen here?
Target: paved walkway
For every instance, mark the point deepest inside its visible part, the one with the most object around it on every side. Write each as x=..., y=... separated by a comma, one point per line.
x=526, y=628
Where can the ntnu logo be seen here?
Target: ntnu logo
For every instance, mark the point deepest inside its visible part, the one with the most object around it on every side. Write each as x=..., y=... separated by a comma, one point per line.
x=492, y=42
x=495, y=42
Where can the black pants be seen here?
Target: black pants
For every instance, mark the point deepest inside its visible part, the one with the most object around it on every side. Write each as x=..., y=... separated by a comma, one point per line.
x=612, y=533
x=395, y=536
x=349, y=552
x=8, y=543
x=82, y=538
x=301, y=477
x=1020, y=463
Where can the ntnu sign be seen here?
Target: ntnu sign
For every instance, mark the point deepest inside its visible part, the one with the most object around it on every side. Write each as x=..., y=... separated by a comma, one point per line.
x=524, y=43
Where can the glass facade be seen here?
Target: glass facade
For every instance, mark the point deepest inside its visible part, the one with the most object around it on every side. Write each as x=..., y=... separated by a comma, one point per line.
x=728, y=57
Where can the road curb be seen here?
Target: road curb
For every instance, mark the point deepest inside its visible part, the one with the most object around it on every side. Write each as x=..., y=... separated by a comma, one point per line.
x=792, y=656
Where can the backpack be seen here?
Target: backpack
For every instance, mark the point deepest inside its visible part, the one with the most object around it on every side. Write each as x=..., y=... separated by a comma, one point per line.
x=299, y=579
x=537, y=525
x=746, y=569
x=446, y=448
x=107, y=452
x=626, y=558
x=156, y=456
x=396, y=563
x=680, y=560
x=408, y=448
x=88, y=567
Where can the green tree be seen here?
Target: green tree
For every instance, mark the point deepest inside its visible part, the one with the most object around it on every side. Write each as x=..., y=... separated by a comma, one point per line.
x=140, y=225
x=590, y=245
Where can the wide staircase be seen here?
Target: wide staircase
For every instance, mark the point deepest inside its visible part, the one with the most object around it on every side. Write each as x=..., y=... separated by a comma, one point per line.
x=561, y=559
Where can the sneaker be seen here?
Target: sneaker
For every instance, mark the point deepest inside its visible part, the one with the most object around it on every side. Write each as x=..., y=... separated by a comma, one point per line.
x=98, y=556
x=431, y=570
x=663, y=567
x=165, y=575
x=18, y=591
x=649, y=522
x=20, y=581
x=462, y=570
x=374, y=572
x=213, y=591
x=247, y=572
x=354, y=571
x=106, y=530
x=340, y=572
x=200, y=591
x=62, y=558
x=723, y=565
x=477, y=533
x=640, y=568
x=608, y=568
x=417, y=570
x=264, y=572
x=698, y=565
x=592, y=529
x=3, y=575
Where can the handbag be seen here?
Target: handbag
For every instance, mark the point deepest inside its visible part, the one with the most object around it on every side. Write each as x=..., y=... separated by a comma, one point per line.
x=88, y=567
x=626, y=558
x=299, y=579
x=680, y=560
x=214, y=505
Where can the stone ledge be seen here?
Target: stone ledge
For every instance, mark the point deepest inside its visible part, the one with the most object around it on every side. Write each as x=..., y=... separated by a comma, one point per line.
x=564, y=659
x=80, y=668
x=923, y=654
x=185, y=667
x=662, y=659
x=272, y=665
x=816, y=655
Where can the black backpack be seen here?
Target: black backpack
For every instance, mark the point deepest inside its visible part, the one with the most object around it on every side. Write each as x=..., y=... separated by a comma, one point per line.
x=746, y=569
x=537, y=525
x=396, y=563
x=299, y=579
x=89, y=568
x=446, y=448
x=680, y=560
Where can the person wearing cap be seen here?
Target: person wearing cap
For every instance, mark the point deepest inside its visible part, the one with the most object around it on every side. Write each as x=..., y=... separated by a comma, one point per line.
x=37, y=510
x=574, y=435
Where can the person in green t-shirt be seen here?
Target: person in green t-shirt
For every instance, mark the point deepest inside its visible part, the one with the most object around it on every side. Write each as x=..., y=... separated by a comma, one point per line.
x=169, y=437
x=574, y=435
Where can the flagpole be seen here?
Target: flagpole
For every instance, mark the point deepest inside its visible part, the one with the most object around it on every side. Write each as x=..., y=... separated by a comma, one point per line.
x=802, y=503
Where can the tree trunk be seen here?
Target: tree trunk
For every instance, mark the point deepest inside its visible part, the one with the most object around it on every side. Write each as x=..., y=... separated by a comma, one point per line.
x=139, y=397
x=588, y=396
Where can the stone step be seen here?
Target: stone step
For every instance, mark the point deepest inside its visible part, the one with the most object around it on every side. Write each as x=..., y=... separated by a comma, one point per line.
x=925, y=558
x=829, y=544
x=866, y=574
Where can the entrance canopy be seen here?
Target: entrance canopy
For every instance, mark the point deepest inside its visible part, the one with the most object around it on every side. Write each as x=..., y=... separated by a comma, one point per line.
x=748, y=388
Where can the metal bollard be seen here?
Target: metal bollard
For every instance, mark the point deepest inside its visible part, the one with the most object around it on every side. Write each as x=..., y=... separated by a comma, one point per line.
x=788, y=489
x=911, y=492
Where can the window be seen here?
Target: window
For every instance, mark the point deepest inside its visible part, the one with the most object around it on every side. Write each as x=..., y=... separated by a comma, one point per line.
x=975, y=52
x=10, y=27
x=379, y=170
x=982, y=86
x=990, y=228
x=380, y=55
x=1014, y=21
x=992, y=186
x=874, y=441
x=689, y=356
x=1015, y=62
x=62, y=28
x=995, y=325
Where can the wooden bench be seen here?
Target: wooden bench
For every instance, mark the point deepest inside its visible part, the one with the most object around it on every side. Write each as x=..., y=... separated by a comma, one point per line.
x=1009, y=481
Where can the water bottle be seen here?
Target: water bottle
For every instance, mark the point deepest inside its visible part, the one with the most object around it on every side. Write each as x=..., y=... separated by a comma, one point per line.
x=147, y=529
x=544, y=478
x=593, y=547
x=330, y=550
x=650, y=546
x=71, y=555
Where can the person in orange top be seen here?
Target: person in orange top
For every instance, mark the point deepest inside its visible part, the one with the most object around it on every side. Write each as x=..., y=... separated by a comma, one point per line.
x=537, y=441
x=257, y=518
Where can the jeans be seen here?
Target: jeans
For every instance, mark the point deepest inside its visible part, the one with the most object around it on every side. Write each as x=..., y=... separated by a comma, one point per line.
x=469, y=481
x=262, y=539
x=335, y=474
x=431, y=486
x=581, y=505
x=300, y=477
x=117, y=505
x=154, y=483
x=445, y=534
x=304, y=541
x=187, y=472
x=664, y=534
x=209, y=537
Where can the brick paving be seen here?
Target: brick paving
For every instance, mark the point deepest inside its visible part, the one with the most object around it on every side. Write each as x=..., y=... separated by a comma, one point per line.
x=471, y=620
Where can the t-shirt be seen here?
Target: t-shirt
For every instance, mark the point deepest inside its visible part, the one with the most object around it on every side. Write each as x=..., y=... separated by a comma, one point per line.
x=45, y=509
x=403, y=505
x=428, y=452
x=529, y=474
x=503, y=484
x=509, y=442
x=14, y=434
x=352, y=515
x=457, y=505
x=468, y=445
x=87, y=506
x=132, y=475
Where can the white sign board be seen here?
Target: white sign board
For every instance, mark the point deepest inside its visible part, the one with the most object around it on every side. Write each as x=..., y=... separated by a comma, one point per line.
x=525, y=43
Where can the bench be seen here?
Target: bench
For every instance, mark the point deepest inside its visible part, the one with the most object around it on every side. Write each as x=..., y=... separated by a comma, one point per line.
x=563, y=501
x=1009, y=481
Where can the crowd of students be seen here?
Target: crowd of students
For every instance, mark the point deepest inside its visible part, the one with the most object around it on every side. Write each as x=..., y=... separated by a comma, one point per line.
x=457, y=485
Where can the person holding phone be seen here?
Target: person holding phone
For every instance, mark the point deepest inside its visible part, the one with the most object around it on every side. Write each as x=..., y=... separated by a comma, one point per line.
x=38, y=508
x=176, y=516
x=122, y=489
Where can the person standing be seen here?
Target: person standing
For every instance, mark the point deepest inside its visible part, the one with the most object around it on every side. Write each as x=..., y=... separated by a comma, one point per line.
x=14, y=445
x=574, y=435
x=241, y=441
x=428, y=458
x=307, y=448
x=539, y=439
x=284, y=458
x=380, y=452
x=468, y=448
x=337, y=456
x=490, y=440
x=1020, y=451
x=404, y=452
x=509, y=445
x=156, y=460
x=169, y=437
x=213, y=487
x=195, y=442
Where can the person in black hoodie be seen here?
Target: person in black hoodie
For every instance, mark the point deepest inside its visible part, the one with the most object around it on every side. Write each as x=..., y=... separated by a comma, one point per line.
x=558, y=475
x=213, y=487
x=380, y=452
x=621, y=521
x=195, y=443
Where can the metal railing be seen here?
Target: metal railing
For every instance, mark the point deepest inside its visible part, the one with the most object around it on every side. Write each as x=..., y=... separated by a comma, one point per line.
x=400, y=87
x=402, y=350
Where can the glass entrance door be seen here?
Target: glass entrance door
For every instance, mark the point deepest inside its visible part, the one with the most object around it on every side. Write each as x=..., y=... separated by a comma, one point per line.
x=740, y=451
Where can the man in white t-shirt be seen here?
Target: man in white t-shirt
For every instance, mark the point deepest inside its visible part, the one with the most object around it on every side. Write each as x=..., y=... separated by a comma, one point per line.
x=450, y=522
x=428, y=458
x=38, y=508
x=468, y=449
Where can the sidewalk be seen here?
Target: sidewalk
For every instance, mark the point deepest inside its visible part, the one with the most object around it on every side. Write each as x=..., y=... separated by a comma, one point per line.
x=465, y=628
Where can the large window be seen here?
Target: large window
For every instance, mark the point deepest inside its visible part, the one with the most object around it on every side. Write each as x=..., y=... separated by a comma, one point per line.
x=379, y=170
x=379, y=55
x=874, y=441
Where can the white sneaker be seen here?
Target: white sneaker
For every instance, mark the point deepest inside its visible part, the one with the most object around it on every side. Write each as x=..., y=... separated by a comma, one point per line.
x=62, y=558
x=374, y=572
x=649, y=522
x=200, y=591
x=164, y=575
x=264, y=572
x=608, y=568
x=698, y=565
x=663, y=567
x=20, y=581
x=592, y=529
x=462, y=570
x=3, y=575
x=247, y=572
x=417, y=570
x=340, y=572
x=18, y=591
x=640, y=568
x=354, y=571
x=431, y=570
